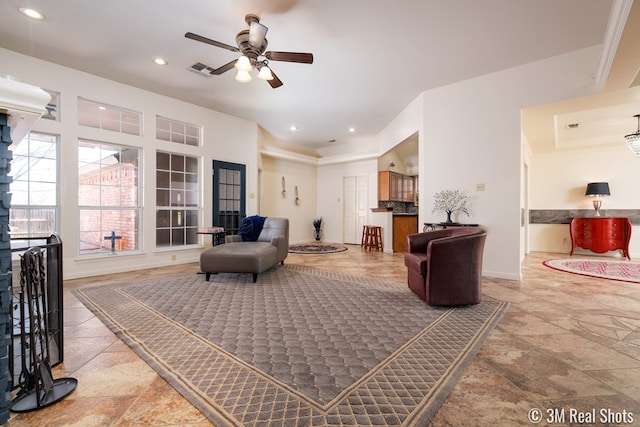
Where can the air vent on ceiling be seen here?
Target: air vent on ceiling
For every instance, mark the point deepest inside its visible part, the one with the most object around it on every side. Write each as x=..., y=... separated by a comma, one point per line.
x=201, y=69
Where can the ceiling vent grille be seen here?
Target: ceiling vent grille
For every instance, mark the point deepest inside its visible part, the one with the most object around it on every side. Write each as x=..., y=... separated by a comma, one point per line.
x=201, y=69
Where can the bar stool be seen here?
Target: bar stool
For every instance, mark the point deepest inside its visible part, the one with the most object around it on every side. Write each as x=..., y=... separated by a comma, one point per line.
x=371, y=237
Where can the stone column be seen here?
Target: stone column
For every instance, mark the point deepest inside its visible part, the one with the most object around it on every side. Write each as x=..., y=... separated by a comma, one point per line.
x=6, y=328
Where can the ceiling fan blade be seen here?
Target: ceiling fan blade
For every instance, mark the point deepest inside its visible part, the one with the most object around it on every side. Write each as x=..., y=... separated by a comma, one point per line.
x=257, y=33
x=226, y=67
x=303, y=58
x=275, y=82
x=202, y=39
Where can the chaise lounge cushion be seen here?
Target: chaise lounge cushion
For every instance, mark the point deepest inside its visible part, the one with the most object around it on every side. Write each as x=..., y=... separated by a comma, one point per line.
x=238, y=256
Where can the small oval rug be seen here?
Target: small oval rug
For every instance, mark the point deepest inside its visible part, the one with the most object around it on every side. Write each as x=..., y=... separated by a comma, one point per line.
x=626, y=271
x=316, y=248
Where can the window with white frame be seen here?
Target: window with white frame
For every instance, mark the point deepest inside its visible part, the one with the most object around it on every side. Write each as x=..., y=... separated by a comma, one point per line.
x=108, y=197
x=176, y=131
x=177, y=200
x=108, y=117
x=34, y=201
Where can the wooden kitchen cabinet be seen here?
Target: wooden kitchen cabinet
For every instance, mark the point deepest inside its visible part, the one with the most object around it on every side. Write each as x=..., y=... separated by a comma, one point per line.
x=395, y=187
x=601, y=234
x=387, y=189
x=403, y=225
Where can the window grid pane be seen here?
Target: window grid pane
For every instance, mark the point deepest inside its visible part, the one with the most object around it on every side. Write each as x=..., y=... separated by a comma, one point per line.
x=34, y=171
x=177, y=201
x=109, y=117
x=108, y=197
x=176, y=131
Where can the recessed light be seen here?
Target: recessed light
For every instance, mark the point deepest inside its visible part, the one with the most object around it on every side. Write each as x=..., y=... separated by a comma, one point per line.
x=31, y=13
x=293, y=128
x=352, y=130
x=102, y=107
x=159, y=61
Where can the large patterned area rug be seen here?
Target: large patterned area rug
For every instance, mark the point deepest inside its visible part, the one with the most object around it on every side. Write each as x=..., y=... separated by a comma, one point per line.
x=301, y=347
x=626, y=271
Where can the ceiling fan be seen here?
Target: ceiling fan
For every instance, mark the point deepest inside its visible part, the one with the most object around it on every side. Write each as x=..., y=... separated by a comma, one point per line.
x=252, y=44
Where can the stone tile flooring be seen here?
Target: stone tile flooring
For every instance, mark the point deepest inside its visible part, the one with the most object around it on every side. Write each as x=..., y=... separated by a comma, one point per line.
x=569, y=345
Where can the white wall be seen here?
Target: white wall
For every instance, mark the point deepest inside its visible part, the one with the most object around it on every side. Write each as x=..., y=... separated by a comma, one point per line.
x=409, y=121
x=471, y=139
x=559, y=181
x=225, y=138
x=273, y=203
x=469, y=133
x=472, y=135
x=330, y=193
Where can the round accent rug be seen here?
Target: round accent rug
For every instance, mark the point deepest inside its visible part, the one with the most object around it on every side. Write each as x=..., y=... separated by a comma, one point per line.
x=316, y=248
x=626, y=271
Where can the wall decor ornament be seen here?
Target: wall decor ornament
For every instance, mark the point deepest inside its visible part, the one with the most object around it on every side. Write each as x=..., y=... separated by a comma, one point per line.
x=452, y=202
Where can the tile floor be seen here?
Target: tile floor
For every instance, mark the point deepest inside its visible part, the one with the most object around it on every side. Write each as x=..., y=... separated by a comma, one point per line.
x=567, y=343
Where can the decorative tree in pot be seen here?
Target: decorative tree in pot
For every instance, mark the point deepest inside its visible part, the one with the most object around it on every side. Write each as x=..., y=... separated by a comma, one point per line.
x=450, y=202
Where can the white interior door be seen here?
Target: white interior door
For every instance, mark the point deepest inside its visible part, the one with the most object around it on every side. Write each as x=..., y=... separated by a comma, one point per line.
x=362, y=204
x=355, y=202
x=349, y=206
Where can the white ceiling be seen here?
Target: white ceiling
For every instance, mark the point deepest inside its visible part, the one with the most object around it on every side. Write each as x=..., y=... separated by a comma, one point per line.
x=371, y=58
x=599, y=120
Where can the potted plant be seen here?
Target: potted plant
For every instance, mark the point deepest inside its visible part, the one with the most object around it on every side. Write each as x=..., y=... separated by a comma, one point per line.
x=450, y=202
x=317, y=228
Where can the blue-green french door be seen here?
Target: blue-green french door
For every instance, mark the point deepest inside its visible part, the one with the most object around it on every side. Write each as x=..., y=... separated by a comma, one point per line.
x=229, y=190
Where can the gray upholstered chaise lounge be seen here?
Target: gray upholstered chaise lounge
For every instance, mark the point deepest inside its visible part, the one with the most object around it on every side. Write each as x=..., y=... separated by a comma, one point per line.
x=238, y=256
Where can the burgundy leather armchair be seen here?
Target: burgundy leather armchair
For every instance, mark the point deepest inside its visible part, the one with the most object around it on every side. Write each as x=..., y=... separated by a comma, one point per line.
x=444, y=267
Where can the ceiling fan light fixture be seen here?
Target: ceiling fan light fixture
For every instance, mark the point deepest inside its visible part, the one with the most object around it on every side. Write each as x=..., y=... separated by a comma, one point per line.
x=243, y=64
x=251, y=44
x=257, y=33
x=243, y=76
x=633, y=140
x=265, y=73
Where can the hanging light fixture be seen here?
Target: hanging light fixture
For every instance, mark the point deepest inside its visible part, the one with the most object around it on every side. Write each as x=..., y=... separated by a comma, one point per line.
x=265, y=73
x=633, y=140
x=243, y=64
x=243, y=76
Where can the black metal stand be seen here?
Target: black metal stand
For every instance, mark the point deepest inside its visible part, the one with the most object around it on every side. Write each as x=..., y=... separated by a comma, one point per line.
x=38, y=389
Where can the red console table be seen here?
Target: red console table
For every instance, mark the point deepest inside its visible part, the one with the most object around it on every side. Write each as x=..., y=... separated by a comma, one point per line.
x=601, y=234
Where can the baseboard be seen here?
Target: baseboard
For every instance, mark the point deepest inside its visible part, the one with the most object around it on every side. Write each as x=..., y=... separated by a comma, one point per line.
x=501, y=275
